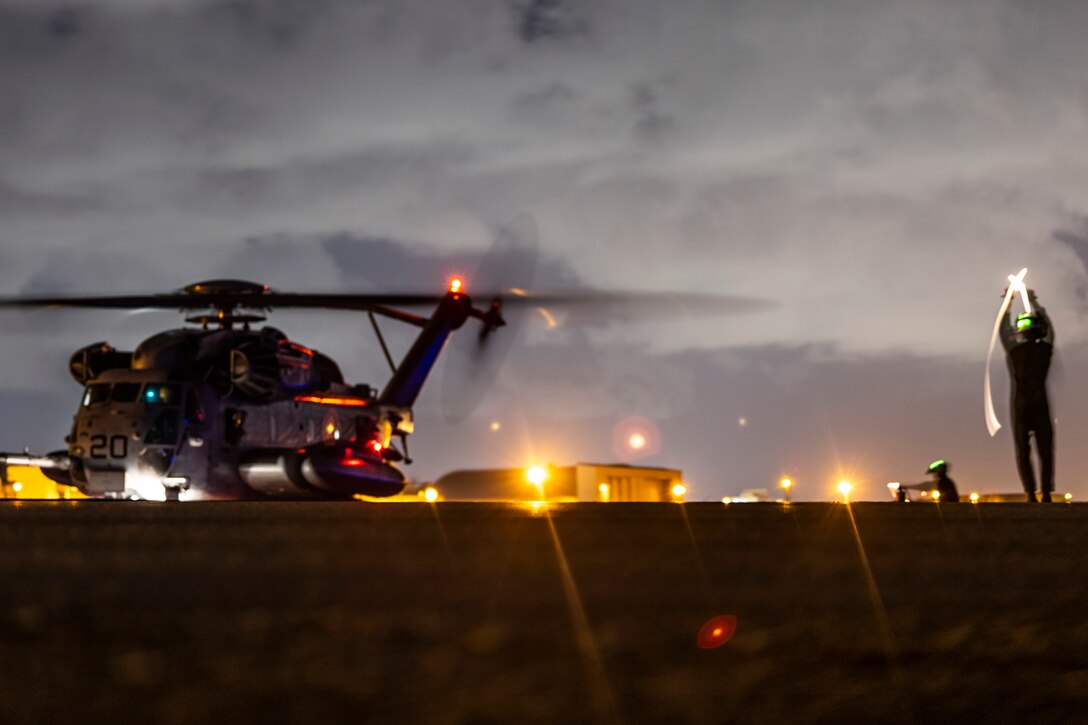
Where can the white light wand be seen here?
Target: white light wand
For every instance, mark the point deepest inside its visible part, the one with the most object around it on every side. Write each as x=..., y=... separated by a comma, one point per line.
x=1016, y=284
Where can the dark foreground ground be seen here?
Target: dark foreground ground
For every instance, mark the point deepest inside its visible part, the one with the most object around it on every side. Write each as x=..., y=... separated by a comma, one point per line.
x=477, y=613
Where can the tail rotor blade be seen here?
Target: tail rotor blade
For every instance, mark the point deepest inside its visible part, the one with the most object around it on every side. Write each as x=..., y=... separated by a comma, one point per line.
x=473, y=360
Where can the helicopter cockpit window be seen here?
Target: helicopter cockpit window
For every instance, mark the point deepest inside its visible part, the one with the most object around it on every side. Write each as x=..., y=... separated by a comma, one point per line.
x=296, y=365
x=125, y=392
x=164, y=429
x=158, y=394
x=96, y=393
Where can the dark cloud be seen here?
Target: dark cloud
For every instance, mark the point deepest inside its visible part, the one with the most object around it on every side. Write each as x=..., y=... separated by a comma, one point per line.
x=1077, y=242
x=307, y=180
x=540, y=21
x=18, y=202
x=651, y=123
x=66, y=22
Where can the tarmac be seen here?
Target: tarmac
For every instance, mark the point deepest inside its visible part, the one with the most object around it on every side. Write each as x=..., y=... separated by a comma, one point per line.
x=495, y=613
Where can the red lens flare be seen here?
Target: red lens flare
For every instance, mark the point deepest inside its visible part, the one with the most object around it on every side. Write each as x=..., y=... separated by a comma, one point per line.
x=717, y=631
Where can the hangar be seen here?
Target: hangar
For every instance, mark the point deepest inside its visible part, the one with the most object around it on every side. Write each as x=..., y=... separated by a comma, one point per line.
x=602, y=482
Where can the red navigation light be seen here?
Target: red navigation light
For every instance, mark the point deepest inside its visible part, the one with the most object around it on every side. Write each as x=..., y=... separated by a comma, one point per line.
x=330, y=400
x=717, y=631
x=456, y=284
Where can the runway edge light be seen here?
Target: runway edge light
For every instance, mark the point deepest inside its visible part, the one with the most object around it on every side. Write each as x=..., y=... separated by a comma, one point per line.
x=844, y=489
x=786, y=485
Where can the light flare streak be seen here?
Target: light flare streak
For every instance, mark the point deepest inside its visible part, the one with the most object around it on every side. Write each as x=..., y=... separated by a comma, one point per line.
x=548, y=318
x=891, y=649
x=601, y=691
x=433, y=506
x=1016, y=285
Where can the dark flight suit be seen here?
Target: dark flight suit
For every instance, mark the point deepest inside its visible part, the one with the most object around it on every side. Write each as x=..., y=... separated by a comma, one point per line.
x=1028, y=356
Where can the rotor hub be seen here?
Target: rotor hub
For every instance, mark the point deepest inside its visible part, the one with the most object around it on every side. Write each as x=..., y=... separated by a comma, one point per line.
x=223, y=297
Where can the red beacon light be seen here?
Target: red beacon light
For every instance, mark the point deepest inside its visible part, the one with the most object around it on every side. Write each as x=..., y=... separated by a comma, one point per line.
x=456, y=285
x=375, y=447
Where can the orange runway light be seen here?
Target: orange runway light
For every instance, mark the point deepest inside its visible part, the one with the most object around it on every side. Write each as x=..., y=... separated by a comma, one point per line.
x=716, y=631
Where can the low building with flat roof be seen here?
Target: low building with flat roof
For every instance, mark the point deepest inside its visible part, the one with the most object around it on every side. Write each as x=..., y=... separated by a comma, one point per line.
x=581, y=482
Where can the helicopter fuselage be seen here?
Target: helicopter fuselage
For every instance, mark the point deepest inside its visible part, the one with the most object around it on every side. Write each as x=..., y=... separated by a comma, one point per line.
x=228, y=414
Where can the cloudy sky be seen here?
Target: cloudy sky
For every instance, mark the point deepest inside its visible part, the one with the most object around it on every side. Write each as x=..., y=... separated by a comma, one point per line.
x=875, y=168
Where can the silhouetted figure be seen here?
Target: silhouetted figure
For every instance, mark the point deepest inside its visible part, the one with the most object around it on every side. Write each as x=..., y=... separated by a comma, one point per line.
x=942, y=483
x=1029, y=345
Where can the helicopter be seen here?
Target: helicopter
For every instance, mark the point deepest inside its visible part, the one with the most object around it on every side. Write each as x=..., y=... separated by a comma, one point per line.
x=225, y=410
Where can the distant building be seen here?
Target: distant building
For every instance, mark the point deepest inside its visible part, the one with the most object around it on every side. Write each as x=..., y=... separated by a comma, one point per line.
x=580, y=482
x=753, y=495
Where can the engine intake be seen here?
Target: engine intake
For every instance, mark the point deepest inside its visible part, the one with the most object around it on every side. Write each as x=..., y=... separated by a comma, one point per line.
x=89, y=362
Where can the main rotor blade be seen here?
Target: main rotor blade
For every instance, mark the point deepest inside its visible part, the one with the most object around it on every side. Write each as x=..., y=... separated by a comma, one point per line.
x=630, y=303
x=265, y=300
x=660, y=304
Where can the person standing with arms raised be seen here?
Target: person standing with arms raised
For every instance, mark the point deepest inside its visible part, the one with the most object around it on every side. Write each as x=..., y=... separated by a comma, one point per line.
x=1028, y=339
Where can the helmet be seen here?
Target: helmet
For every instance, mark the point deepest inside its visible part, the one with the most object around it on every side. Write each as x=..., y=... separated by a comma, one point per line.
x=1031, y=326
x=938, y=466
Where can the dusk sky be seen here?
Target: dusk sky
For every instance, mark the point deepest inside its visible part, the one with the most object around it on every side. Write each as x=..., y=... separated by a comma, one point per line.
x=876, y=169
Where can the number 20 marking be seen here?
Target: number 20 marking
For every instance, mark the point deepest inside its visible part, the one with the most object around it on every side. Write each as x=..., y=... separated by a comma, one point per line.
x=115, y=447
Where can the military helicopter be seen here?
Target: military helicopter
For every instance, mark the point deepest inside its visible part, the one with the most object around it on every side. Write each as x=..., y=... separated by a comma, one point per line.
x=225, y=410
x=222, y=409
